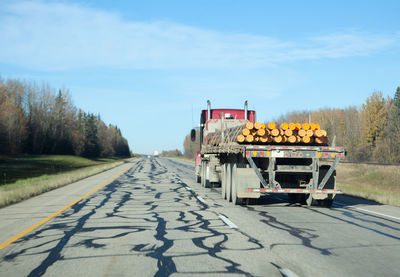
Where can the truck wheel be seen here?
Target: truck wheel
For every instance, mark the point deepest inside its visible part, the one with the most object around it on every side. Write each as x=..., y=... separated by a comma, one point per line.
x=204, y=181
x=294, y=198
x=202, y=173
x=197, y=173
x=223, y=183
x=235, y=200
x=327, y=203
x=207, y=183
x=229, y=182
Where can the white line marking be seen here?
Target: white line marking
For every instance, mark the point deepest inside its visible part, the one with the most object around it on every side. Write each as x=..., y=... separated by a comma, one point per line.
x=287, y=272
x=368, y=211
x=188, y=188
x=201, y=199
x=228, y=222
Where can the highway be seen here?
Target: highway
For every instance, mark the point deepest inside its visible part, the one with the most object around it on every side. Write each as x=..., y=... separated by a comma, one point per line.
x=150, y=218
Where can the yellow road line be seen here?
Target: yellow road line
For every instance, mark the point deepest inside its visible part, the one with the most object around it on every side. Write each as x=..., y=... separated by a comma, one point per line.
x=33, y=227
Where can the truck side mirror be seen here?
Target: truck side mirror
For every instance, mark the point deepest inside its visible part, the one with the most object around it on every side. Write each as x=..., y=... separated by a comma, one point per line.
x=193, y=135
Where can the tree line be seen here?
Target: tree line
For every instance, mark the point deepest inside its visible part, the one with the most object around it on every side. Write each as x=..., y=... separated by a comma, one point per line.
x=369, y=133
x=171, y=153
x=37, y=119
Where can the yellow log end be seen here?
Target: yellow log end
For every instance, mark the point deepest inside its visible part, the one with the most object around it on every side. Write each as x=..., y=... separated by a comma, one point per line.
x=275, y=132
x=264, y=139
x=240, y=138
x=292, y=139
x=261, y=132
x=302, y=133
x=318, y=133
x=249, y=138
x=306, y=126
x=306, y=139
x=284, y=126
x=246, y=132
x=249, y=125
x=258, y=125
x=278, y=139
x=288, y=132
x=271, y=125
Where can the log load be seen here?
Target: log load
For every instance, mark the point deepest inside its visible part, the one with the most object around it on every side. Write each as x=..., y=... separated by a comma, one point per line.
x=271, y=133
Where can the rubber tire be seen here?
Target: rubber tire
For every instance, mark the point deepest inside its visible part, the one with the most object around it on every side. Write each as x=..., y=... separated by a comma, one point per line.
x=202, y=173
x=223, y=182
x=229, y=183
x=327, y=203
x=293, y=198
x=204, y=181
x=235, y=200
x=198, y=179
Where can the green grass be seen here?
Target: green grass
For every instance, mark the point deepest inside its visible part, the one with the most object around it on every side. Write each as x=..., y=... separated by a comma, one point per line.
x=23, y=167
x=183, y=159
x=375, y=182
x=28, y=176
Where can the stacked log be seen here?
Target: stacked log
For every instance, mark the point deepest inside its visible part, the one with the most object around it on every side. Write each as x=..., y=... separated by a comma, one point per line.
x=271, y=133
x=286, y=133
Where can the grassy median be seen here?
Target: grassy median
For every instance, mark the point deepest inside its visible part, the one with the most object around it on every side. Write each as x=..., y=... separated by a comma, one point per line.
x=27, y=176
x=376, y=182
x=182, y=159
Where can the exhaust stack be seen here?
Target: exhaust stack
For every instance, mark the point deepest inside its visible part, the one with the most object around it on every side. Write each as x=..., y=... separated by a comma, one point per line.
x=245, y=110
x=209, y=110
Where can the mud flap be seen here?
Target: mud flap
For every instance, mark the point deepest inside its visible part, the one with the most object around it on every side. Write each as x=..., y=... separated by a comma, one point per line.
x=247, y=179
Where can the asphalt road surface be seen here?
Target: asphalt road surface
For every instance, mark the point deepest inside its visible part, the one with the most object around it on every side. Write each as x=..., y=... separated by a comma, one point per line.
x=155, y=220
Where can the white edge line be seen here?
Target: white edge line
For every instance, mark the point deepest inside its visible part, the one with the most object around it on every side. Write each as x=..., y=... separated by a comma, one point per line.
x=389, y=216
x=201, y=199
x=368, y=211
x=228, y=222
x=287, y=272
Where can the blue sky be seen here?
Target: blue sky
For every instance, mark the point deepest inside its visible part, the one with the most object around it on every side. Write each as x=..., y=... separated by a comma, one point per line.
x=150, y=66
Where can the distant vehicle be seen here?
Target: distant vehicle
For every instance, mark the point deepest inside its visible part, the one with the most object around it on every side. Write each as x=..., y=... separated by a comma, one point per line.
x=148, y=156
x=304, y=172
x=155, y=153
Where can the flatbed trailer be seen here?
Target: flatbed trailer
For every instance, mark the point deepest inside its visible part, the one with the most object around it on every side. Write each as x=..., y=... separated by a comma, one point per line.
x=306, y=173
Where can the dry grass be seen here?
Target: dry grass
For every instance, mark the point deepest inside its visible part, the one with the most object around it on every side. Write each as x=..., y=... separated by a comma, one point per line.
x=375, y=182
x=24, y=189
x=183, y=159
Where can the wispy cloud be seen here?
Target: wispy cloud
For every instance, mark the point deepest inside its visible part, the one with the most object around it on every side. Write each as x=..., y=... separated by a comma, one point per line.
x=59, y=36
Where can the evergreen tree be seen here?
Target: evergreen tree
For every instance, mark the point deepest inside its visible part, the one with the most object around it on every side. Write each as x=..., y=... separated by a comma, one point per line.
x=393, y=129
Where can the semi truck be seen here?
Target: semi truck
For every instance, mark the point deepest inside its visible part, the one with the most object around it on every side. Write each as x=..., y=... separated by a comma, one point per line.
x=306, y=173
